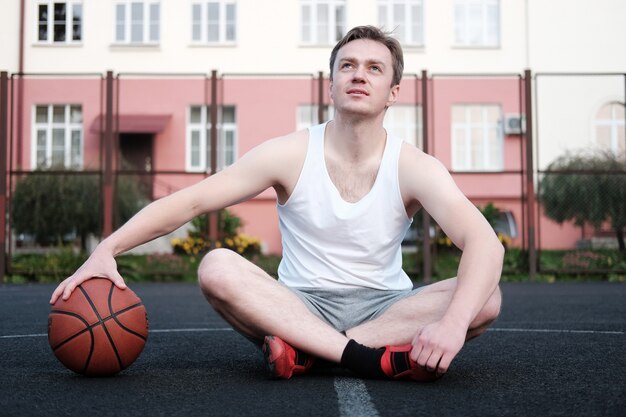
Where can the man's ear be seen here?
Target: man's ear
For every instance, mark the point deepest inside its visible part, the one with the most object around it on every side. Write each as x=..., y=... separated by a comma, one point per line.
x=393, y=95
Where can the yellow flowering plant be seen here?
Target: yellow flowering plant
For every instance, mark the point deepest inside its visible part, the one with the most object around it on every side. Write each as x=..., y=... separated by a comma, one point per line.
x=197, y=241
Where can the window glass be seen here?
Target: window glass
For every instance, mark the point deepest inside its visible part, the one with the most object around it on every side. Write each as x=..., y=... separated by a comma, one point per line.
x=403, y=18
x=214, y=21
x=477, y=138
x=77, y=18
x=120, y=19
x=154, y=22
x=136, y=15
x=196, y=24
x=59, y=22
x=477, y=22
x=199, y=138
x=230, y=22
x=610, y=128
x=323, y=21
x=43, y=22
x=58, y=140
x=58, y=114
x=41, y=114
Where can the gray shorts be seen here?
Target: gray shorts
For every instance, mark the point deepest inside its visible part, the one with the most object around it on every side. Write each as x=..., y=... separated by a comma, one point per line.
x=346, y=308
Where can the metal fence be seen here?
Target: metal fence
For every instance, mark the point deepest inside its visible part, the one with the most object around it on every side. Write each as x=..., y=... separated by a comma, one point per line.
x=581, y=172
x=146, y=135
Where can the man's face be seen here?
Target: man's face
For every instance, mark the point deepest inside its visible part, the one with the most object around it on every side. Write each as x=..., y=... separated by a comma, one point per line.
x=362, y=78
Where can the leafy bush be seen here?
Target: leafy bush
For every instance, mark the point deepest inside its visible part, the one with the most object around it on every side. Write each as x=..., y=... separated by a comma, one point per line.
x=594, y=198
x=53, y=208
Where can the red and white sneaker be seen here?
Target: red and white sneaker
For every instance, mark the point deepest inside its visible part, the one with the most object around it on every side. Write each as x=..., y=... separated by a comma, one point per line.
x=397, y=364
x=282, y=360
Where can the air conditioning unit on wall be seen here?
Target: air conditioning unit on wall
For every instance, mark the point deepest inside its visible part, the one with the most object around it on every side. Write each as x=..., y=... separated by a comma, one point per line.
x=514, y=124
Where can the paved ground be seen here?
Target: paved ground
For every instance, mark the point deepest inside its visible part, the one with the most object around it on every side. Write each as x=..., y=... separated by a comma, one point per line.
x=558, y=349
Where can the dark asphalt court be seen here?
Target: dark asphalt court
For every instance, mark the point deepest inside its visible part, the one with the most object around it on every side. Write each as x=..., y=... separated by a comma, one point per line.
x=557, y=350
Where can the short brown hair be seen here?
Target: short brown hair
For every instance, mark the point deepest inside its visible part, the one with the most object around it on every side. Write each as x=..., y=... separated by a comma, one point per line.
x=375, y=34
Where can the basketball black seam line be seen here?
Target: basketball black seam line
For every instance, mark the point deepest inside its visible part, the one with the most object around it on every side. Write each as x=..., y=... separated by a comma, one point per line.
x=106, y=331
x=114, y=317
x=68, y=313
x=88, y=326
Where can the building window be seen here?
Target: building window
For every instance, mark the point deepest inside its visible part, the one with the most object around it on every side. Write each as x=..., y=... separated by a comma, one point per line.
x=477, y=22
x=405, y=122
x=58, y=136
x=307, y=115
x=214, y=21
x=59, y=22
x=477, y=138
x=323, y=21
x=137, y=22
x=199, y=138
x=405, y=18
x=609, y=127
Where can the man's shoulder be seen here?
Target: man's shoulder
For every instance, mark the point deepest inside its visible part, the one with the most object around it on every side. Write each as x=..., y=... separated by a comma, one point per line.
x=292, y=142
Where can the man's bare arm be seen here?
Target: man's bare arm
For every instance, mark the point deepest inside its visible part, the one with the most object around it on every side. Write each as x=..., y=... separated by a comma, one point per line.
x=267, y=165
x=426, y=180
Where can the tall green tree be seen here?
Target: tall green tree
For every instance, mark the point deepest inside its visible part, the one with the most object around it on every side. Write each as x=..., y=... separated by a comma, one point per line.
x=592, y=192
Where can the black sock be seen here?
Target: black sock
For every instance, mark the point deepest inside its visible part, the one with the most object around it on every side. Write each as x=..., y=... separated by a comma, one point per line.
x=362, y=360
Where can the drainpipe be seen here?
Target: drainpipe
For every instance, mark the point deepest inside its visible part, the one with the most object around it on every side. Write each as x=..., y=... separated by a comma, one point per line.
x=20, y=86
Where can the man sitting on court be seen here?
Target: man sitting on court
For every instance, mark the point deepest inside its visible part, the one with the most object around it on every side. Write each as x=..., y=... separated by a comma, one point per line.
x=346, y=194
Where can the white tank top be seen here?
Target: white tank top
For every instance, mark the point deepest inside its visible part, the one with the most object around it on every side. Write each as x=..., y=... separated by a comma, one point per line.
x=330, y=243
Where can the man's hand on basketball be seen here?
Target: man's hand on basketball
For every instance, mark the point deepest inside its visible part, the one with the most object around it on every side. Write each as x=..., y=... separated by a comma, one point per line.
x=99, y=264
x=437, y=344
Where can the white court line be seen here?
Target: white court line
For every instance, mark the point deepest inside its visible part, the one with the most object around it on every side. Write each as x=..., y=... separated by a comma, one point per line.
x=554, y=331
x=228, y=329
x=219, y=329
x=353, y=398
x=20, y=336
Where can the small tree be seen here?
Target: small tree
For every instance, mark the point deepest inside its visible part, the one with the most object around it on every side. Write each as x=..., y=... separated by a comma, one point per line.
x=595, y=197
x=52, y=207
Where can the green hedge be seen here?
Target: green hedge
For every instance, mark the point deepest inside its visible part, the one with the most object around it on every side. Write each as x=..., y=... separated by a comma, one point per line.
x=56, y=266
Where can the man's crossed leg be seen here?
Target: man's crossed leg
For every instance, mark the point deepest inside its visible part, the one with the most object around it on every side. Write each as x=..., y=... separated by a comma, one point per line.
x=257, y=306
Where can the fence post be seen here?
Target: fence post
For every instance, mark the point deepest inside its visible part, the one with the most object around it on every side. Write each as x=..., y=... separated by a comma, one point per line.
x=427, y=269
x=107, y=186
x=213, y=222
x=4, y=127
x=320, y=97
x=530, y=176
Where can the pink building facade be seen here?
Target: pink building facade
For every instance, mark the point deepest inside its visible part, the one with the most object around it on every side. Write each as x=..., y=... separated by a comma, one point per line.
x=162, y=125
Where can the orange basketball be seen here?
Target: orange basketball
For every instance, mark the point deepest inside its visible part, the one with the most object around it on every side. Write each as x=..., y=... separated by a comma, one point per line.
x=100, y=330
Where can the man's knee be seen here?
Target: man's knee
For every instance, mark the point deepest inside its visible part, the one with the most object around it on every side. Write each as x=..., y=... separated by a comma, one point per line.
x=494, y=304
x=490, y=311
x=217, y=274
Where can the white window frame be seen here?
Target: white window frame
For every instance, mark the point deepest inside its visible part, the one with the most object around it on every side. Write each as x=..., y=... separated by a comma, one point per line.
x=222, y=22
x=69, y=22
x=68, y=126
x=410, y=35
x=485, y=33
x=203, y=128
x=464, y=163
x=310, y=33
x=408, y=126
x=147, y=22
x=615, y=123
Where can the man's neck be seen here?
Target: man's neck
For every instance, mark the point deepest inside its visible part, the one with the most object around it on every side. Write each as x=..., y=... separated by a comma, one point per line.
x=356, y=140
